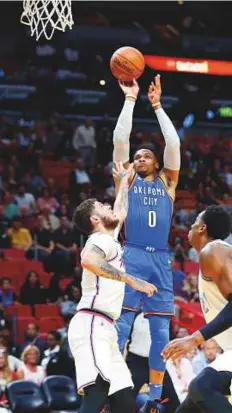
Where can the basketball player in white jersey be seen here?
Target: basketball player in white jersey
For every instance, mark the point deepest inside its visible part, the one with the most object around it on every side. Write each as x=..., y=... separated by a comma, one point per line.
x=100, y=368
x=207, y=391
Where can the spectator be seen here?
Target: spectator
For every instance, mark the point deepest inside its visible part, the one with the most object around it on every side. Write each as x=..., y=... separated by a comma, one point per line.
x=48, y=201
x=14, y=363
x=65, y=247
x=179, y=252
x=181, y=373
x=30, y=369
x=5, y=240
x=20, y=237
x=55, y=361
x=192, y=255
x=78, y=180
x=6, y=337
x=69, y=305
x=10, y=208
x=32, y=338
x=25, y=199
x=50, y=221
x=205, y=357
x=64, y=330
x=84, y=142
x=6, y=293
x=31, y=292
x=43, y=245
x=80, y=176
x=6, y=376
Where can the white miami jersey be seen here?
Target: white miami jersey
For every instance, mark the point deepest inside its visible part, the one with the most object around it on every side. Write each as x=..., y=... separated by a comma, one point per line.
x=212, y=303
x=101, y=293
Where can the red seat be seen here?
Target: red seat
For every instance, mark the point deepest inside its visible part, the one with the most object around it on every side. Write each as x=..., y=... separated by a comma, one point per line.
x=32, y=265
x=48, y=324
x=45, y=279
x=21, y=325
x=191, y=267
x=14, y=253
x=18, y=311
x=10, y=267
x=45, y=310
x=63, y=284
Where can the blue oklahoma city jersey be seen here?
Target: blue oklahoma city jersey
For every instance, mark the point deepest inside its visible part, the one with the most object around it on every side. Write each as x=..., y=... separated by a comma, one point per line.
x=150, y=213
x=146, y=254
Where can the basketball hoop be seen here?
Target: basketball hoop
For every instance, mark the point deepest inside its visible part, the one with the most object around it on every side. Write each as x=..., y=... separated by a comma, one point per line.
x=46, y=16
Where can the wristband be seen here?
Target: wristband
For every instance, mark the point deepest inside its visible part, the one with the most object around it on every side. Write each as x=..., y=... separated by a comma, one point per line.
x=156, y=104
x=131, y=96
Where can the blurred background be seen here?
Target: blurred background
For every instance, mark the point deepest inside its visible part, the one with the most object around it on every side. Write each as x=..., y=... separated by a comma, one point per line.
x=55, y=95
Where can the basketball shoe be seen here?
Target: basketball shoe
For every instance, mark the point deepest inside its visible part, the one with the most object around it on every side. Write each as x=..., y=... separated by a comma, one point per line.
x=154, y=406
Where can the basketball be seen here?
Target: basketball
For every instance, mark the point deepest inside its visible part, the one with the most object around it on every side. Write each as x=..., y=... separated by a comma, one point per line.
x=127, y=63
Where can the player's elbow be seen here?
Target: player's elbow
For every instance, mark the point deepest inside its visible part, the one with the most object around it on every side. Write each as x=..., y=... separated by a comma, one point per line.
x=85, y=263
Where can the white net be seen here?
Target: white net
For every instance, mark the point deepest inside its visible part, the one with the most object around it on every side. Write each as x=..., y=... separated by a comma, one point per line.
x=46, y=16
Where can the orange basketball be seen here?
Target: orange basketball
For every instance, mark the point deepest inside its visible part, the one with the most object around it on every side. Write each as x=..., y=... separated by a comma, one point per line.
x=127, y=64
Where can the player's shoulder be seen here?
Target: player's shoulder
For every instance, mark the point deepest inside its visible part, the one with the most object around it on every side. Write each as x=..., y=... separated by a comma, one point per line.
x=216, y=246
x=214, y=254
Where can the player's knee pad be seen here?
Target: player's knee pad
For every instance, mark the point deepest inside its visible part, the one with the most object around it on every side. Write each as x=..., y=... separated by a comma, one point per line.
x=159, y=330
x=203, y=385
x=124, y=325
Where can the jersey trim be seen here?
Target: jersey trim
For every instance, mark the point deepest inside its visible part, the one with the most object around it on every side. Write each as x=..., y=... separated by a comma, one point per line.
x=114, y=258
x=97, y=291
x=135, y=310
x=93, y=352
x=209, y=279
x=157, y=313
x=166, y=189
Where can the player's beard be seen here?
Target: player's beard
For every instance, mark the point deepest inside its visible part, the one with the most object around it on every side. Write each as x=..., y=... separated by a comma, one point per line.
x=110, y=222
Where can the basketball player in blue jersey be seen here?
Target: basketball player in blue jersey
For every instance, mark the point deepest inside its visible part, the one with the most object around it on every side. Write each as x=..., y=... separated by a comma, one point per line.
x=147, y=227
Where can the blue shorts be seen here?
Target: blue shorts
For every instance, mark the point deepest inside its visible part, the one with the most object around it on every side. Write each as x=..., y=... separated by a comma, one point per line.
x=154, y=267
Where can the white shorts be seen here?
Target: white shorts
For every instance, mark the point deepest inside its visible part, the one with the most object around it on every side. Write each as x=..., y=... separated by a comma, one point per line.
x=93, y=342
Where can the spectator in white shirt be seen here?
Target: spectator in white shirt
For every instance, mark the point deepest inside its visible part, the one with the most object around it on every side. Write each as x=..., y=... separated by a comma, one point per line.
x=78, y=179
x=205, y=357
x=25, y=199
x=84, y=142
x=192, y=255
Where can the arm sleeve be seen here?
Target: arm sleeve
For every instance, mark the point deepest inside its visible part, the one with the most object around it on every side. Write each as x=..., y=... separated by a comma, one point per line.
x=172, y=140
x=122, y=131
x=220, y=323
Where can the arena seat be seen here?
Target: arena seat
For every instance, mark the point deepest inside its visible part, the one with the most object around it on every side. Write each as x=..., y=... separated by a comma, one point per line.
x=60, y=393
x=191, y=316
x=18, y=311
x=47, y=324
x=191, y=267
x=45, y=310
x=45, y=279
x=13, y=253
x=25, y=397
x=32, y=265
x=63, y=284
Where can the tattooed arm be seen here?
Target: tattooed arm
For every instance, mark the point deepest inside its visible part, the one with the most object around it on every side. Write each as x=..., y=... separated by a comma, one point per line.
x=94, y=260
